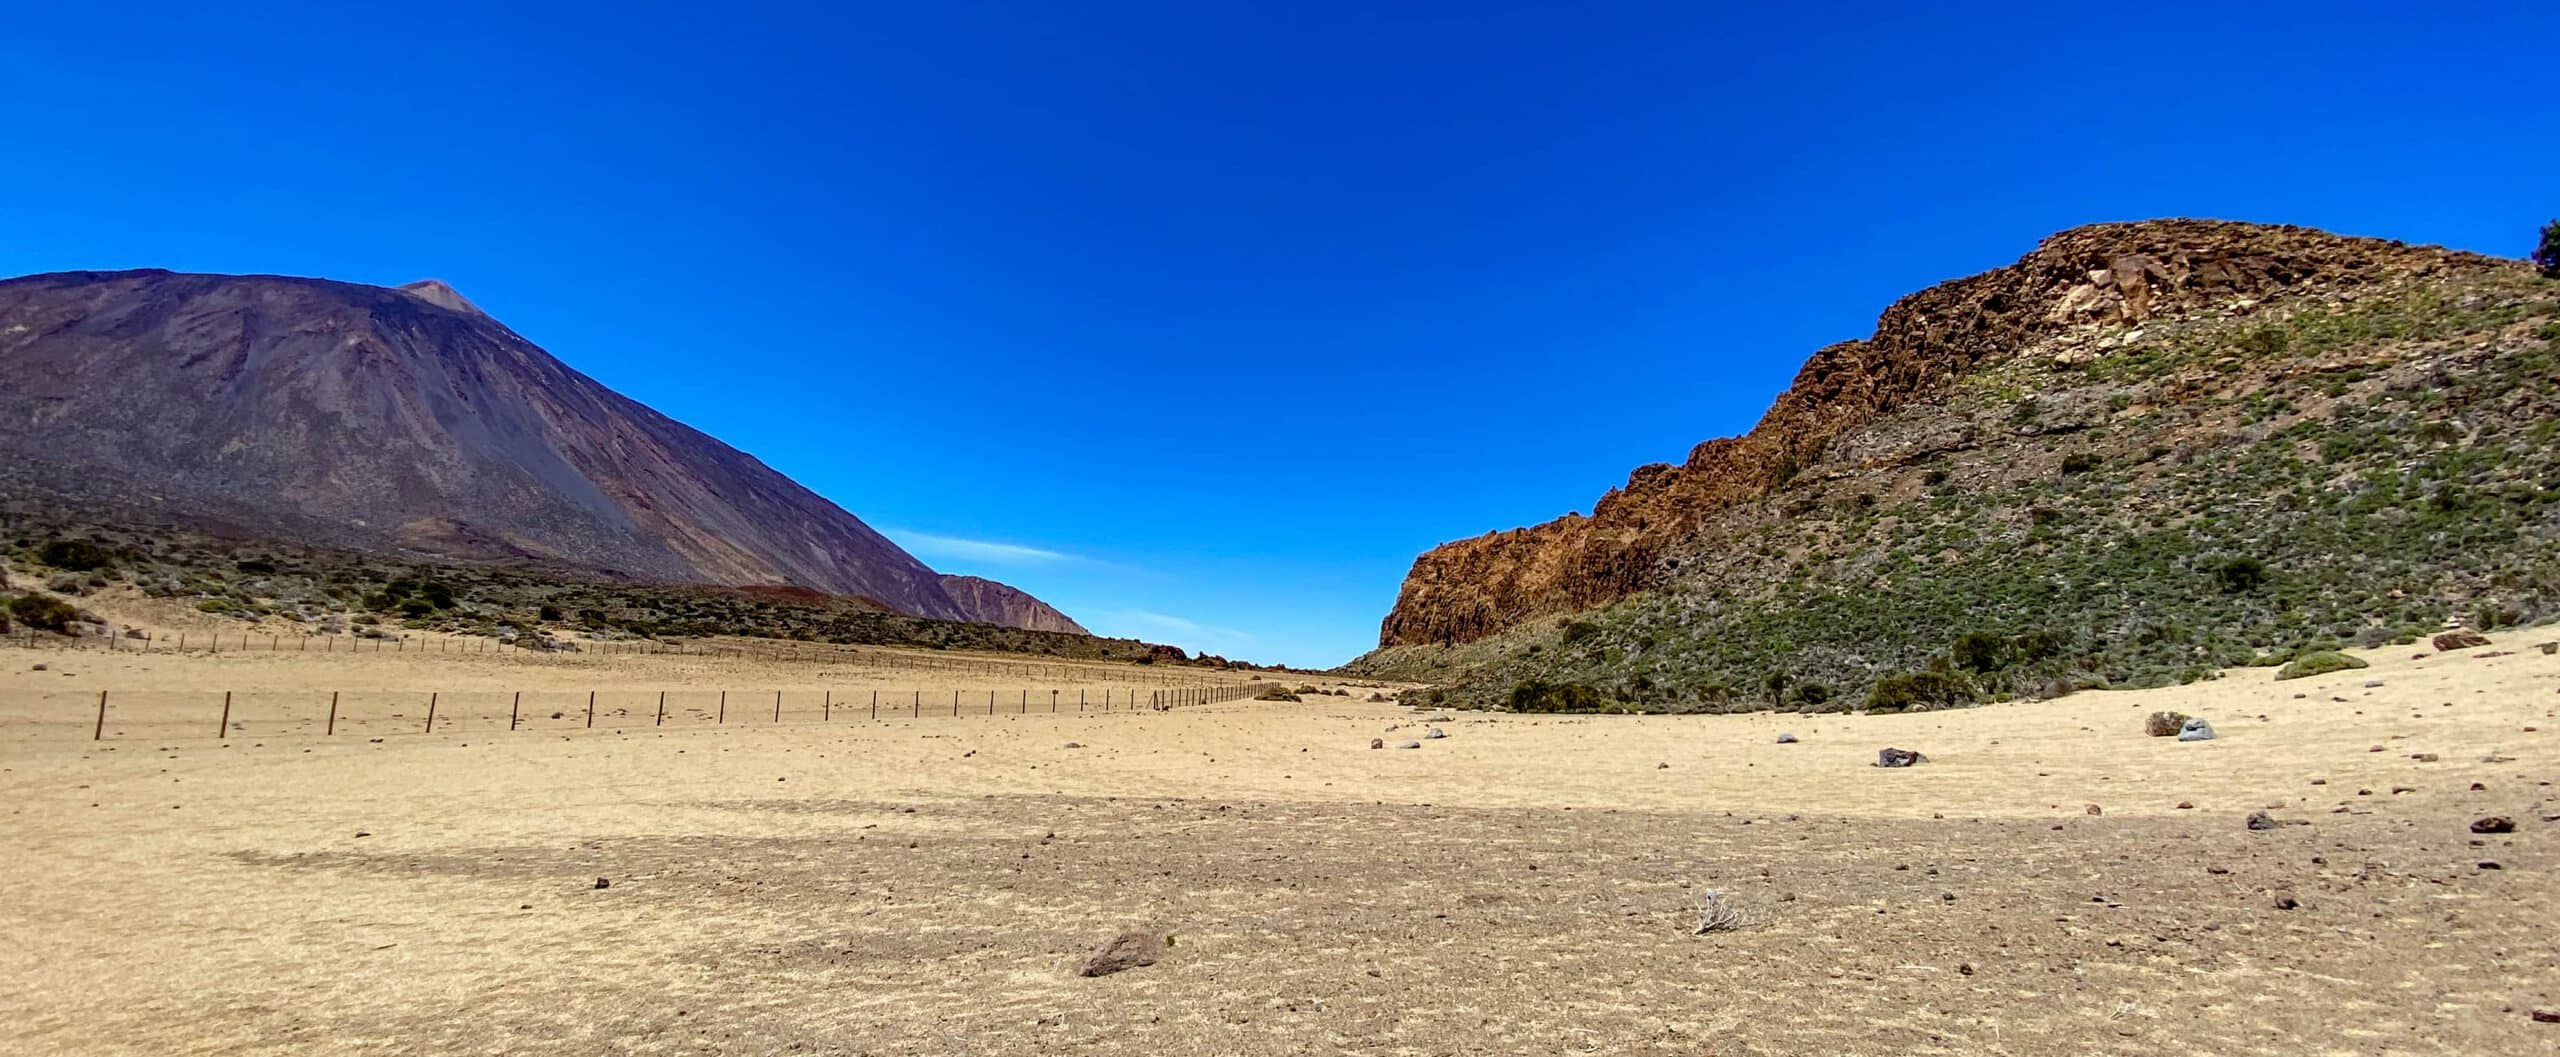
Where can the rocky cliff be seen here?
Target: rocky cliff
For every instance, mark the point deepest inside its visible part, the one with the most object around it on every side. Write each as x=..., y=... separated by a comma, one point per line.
x=2105, y=273
x=988, y=602
x=406, y=420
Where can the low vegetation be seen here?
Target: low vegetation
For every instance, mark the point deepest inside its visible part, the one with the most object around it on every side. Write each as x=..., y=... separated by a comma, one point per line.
x=2186, y=496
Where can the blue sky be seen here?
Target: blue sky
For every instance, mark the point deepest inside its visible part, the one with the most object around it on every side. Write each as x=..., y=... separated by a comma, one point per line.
x=1200, y=320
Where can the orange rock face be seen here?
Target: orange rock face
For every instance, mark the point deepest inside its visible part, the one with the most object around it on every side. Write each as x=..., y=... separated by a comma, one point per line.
x=2104, y=273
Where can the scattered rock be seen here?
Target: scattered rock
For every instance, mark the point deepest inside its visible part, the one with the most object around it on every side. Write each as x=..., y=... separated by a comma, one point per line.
x=2186, y=805
x=602, y=883
x=1785, y=738
x=2164, y=724
x=2423, y=757
x=2493, y=824
x=2096, y=810
x=1377, y=743
x=2547, y=648
x=2459, y=640
x=2487, y=864
x=2546, y=1016
x=1430, y=733
x=2195, y=729
x=38, y=668
x=1408, y=745
x=1073, y=745
x=1128, y=950
x=2260, y=820
x=2286, y=901
x=1891, y=757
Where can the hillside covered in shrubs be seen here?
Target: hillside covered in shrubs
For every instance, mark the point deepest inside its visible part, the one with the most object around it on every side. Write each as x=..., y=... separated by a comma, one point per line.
x=2359, y=448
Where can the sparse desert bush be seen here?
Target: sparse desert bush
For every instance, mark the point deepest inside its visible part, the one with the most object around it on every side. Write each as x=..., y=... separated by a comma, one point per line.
x=1276, y=694
x=2079, y=463
x=2238, y=576
x=44, y=614
x=1922, y=691
x=2546, y=256
x=2319, y=662
x=1536, y=695
x=78, y=556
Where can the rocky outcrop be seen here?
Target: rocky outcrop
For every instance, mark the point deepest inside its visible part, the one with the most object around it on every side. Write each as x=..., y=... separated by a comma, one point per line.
x=404, y=420
x=988, y=602
x=2106, y=273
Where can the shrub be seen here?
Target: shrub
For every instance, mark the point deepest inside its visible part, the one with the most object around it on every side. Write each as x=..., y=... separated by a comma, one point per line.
x=1922, y=690
x=43, y=614
x=77, y=556
x=2319, y=662
x=2547, y=255
x=1537, y=695
x=1812, y=694
x=2239, y=576
x=1577, y=630
x=1980, y=652
x=1276, y=694
x=2080, y=463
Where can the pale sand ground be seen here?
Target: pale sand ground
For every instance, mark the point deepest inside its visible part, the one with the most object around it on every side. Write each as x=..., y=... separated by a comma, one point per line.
x=1523, y=886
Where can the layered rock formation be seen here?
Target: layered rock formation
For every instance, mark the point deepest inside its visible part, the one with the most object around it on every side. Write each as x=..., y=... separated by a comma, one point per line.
x=988, y=602
x=1466, y=590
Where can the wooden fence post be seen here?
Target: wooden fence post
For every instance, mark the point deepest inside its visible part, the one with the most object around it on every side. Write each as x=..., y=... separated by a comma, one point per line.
x=662, y=708
x=431, y=711
x=591, y=709
x=333, y=713
x=100, y=734
x=777, y=706
x=827, y=708
x=514, y=709
x=724, y=707
x=224, y=731
x=919, y=706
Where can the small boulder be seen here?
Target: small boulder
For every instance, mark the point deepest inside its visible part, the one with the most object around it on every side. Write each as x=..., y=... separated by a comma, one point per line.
x=2547, y=648
x=1377, y=743
x=2260, y=820
x=2195, y=729
x=1128, y=950
x=1786, y=739
x=2493, y=824
x=2164, y=724
x=1891, y=757
x=1408, y=745
x=2459, y=640
x=603, y=883
x=1432, y=734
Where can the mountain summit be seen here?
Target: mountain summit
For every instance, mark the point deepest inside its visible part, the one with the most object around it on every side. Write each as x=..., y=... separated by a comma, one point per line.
x=407, y=419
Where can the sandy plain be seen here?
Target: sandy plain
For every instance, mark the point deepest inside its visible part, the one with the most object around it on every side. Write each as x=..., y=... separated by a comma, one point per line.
x=921, y=884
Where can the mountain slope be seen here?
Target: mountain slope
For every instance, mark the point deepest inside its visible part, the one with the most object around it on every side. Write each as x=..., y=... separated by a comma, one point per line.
x=988, y=602
x=371, y=417
x=2065, y=452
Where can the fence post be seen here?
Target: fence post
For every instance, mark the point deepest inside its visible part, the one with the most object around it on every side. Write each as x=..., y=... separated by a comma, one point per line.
x=514, y=709
x=1053, y=701
x=100, y=734
x=777, y=706
x=827, y=708
x=875, y=704
x=724, y=707
x=662, y=708
x=919, y=707
x=431, y=712
x=591, y=709
x=224, y=731
x=333, y=712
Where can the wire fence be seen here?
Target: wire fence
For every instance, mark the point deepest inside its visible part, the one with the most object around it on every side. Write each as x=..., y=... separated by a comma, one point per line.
x=214, y=643
x=163, y=715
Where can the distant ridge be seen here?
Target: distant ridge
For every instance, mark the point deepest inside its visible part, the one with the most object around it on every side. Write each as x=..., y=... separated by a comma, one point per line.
x=405, y=419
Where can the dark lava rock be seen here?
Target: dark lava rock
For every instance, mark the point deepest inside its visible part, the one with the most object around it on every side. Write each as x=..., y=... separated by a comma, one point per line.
x=2260, y=820
x=2493, y=824
x=1890, y=757
x=1125, y=951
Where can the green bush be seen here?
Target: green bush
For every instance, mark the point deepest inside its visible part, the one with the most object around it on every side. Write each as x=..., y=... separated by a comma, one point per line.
x=1922, y=690
x=2320, y=662
x=43, y=614
x=2079, y=463
x=2547, y=255
x=1577, y=630
x=2239, y=576
x=1537, y=695
x=77, y=556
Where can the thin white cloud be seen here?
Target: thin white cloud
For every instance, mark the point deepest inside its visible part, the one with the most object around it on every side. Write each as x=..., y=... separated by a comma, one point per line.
x=1178, y=625
x=956, y=548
